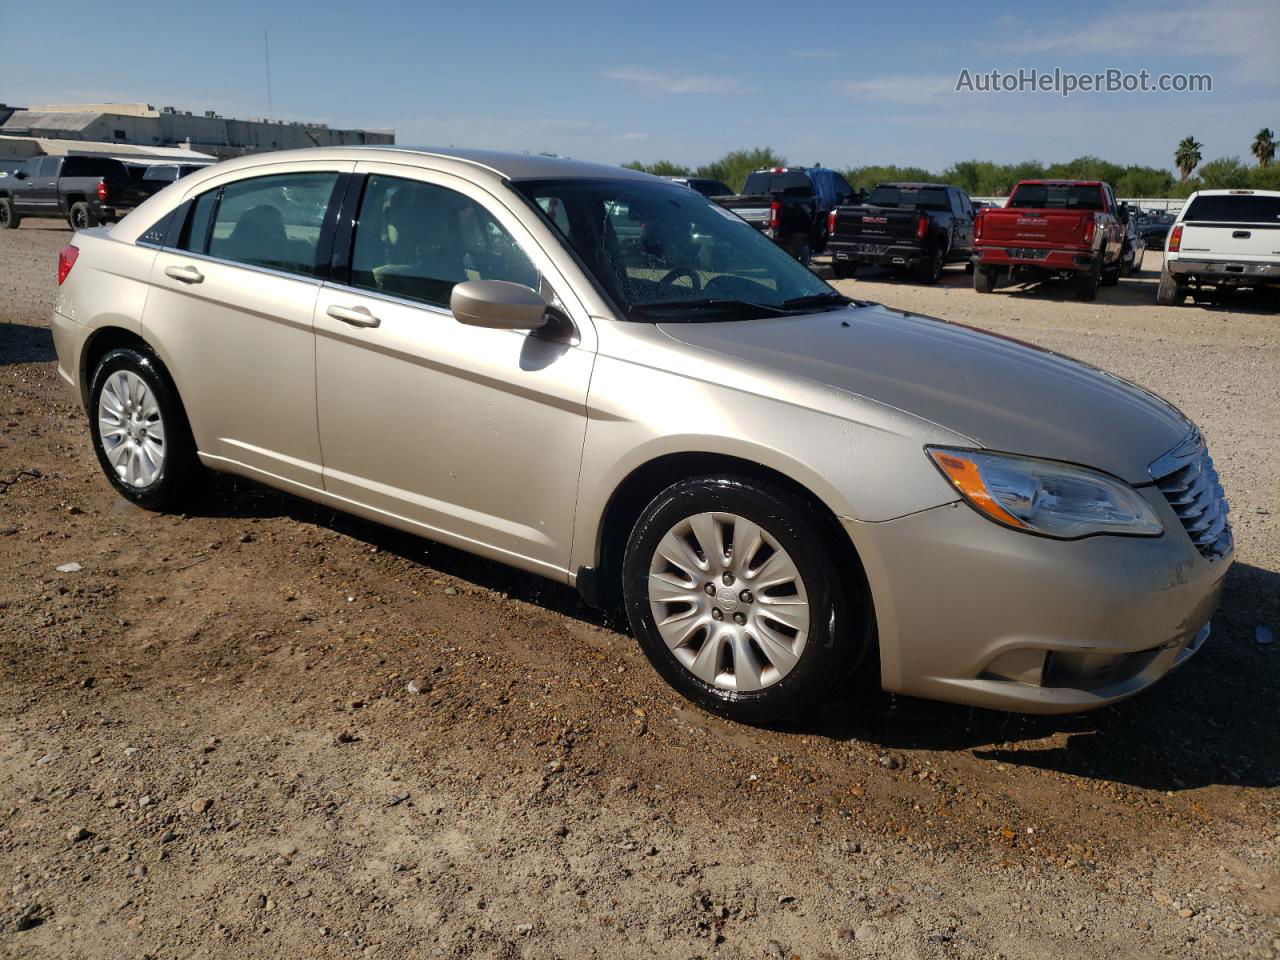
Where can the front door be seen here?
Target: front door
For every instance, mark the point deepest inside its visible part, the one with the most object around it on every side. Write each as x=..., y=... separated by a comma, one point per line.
x=473, y=436
x=232, y=304
x=24, y=186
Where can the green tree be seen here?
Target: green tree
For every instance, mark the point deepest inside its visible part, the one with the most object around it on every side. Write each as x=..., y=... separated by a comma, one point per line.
x=734, y=166
x=1264, y=147
x=1223, y=174
x=866, y=178
x=1187, y=156
x=1143, y=182
x=659, y=168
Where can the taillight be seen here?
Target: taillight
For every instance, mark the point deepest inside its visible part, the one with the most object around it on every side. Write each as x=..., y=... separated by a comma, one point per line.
x=775, y=215
x=922, y=226
x=831, y=224
x=977, y=225
x=102, y=191
x=66, y=260
x=1089, y=227
x=1175, y=239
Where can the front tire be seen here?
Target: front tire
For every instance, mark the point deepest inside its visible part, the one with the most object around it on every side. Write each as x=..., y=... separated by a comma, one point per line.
x=9, y=219
x=140, y=431
x=734, y=589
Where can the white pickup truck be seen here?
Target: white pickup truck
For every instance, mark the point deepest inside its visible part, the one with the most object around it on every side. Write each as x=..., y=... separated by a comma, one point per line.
x=1222, y=238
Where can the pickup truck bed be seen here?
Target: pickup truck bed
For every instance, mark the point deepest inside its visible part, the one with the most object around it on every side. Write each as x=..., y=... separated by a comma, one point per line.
x=790, y=205
x=85, y=191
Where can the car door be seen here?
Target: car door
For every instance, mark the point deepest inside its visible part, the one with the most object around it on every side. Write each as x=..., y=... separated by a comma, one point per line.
x=45, y=192
x=23, y=186
x=231, y=302
x=962, y=210
x=469, y=435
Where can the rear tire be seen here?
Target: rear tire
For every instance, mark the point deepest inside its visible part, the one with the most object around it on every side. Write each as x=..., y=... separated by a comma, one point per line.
x=757, y=669
x=1170, y=293
x=984, y=279
x=843, y=269
x=9, y=218
x=930, y=270
x=1087, y=283
x=81, y=217
x=799, y=247
x=140, y=431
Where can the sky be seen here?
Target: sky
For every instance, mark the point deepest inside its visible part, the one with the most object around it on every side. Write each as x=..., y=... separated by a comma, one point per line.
x=844, y=84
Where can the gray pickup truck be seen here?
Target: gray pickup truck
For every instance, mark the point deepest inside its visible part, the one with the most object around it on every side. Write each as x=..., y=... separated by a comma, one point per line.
x=84, y=191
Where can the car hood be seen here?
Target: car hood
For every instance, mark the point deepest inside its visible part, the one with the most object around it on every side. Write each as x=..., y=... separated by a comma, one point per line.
x=1002, y=393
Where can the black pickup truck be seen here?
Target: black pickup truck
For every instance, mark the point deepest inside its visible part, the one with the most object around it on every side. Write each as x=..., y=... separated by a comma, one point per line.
x=85, y=191
x=791, y=204
x=903, y=226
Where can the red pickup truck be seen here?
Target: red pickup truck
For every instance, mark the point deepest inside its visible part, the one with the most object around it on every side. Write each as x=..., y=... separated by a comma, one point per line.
x=1052, y=228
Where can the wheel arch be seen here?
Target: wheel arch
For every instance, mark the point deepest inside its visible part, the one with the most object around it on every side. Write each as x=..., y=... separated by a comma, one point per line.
x=601, y=583
x=101, y=342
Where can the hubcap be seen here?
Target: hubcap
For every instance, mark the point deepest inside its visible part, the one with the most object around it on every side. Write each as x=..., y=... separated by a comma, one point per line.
x=729, y=601
x=131, y=428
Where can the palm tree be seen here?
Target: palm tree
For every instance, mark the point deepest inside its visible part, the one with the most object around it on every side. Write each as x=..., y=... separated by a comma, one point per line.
x=1264, y=147
x=1187, y=156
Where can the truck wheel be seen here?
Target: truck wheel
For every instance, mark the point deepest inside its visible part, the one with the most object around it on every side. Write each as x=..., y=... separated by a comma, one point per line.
x=930, y=270
x=799, y=247
x=9, y=219
x=984, y=279
x=968, y=266
x=1087, y=282
x=81, y=217
x=843, y=269
x=1170, y=293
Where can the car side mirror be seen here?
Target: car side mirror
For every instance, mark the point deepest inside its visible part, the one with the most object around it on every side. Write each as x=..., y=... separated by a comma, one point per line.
x=497, y=304
x=19, y=175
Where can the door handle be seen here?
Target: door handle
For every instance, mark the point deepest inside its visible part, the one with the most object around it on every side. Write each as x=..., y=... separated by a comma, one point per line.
x=356, y=316
x=184, y=274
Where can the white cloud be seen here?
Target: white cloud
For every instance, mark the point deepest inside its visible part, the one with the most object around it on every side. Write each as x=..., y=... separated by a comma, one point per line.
x=913, y=89
x=1242, y=32
x=654, y=81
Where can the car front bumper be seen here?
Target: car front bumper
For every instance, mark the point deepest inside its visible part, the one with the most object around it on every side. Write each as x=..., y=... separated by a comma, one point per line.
x=975, y=613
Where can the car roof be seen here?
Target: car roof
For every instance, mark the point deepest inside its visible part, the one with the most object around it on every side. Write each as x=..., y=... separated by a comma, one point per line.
x=914, y=186
x=509, y=166
x=1238, y=191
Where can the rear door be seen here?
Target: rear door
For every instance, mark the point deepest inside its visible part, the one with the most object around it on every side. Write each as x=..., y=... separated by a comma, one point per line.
x=962, y=233
x=45, y=190
x=470, y=435
x=231, y=301
x=1241, y=226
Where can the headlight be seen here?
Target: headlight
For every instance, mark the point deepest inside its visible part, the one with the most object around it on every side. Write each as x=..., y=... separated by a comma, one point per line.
x=1041, y=496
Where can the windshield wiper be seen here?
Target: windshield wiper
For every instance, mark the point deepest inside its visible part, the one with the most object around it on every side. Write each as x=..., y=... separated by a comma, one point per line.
x=706, y=303
x=817, y=300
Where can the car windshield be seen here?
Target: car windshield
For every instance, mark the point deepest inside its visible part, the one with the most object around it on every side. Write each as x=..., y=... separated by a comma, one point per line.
x=664, y=252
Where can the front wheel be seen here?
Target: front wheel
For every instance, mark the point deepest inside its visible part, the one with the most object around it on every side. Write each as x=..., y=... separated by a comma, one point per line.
x=734, y=589
x=9, y=218
x=140, y=431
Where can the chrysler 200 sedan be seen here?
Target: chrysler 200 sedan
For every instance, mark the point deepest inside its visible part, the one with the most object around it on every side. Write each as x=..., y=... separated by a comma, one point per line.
x=608, y=380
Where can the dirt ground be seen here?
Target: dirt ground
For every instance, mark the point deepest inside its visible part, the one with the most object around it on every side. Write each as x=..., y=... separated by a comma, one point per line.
x=269, y=730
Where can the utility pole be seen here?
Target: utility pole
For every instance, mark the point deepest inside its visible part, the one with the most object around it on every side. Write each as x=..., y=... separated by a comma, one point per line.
x=266, y=50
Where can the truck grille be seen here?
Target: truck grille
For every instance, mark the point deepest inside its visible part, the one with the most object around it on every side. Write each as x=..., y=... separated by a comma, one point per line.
x=1188, y=480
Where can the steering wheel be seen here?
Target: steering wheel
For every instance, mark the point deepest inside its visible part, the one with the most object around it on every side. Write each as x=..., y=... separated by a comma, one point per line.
x=677, y=273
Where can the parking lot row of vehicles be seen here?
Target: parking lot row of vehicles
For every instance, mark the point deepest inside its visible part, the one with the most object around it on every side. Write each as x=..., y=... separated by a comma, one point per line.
x=1048, y=229
x=82, y=190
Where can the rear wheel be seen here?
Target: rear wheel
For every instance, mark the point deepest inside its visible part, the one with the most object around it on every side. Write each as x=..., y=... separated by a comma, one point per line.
x=799, y=247
x=9, y=218
x=81, y=217
x=844, y=269
x=1087, y=282
x=1170, y=293
x=140, y=431
x=984, y=279
x=929, y=270
x=732, y=588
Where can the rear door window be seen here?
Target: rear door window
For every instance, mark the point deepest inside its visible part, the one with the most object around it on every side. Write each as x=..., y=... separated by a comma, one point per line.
x=272, y=222
x=417, y=240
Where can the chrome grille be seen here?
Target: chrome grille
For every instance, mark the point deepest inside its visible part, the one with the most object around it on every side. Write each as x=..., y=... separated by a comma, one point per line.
x=1188, y=480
